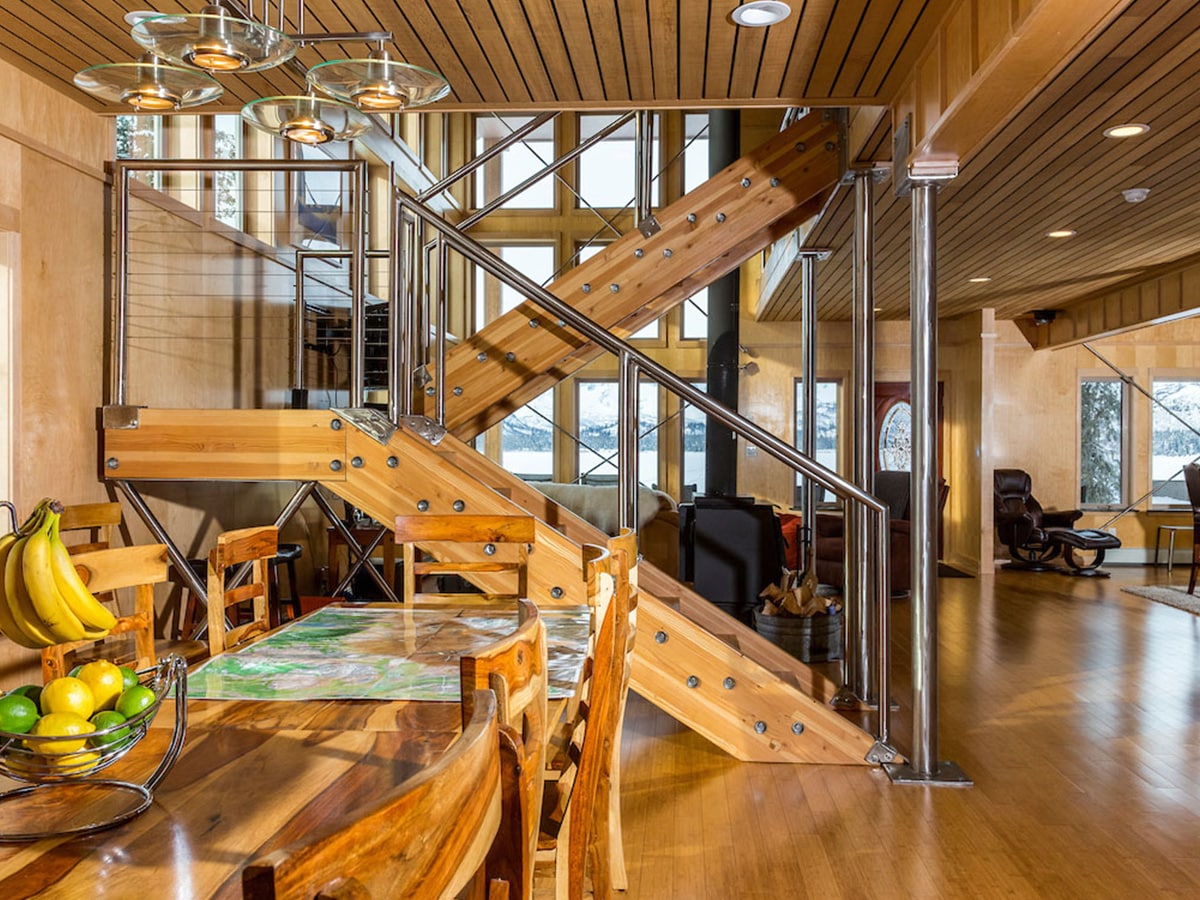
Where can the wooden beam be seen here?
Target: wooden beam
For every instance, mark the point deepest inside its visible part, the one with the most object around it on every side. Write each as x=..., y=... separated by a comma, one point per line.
x=987, y=59
x=1169, y=294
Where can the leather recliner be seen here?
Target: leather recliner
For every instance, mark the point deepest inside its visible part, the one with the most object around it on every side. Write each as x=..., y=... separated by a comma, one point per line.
x=1021, y=522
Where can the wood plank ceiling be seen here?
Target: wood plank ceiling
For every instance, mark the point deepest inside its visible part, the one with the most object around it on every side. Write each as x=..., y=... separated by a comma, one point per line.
x=1052, y=168
x=1048, y=168
x=526, y=54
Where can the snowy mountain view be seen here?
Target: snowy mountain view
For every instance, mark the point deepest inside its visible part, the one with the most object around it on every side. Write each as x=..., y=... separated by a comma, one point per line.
x=1175, y=440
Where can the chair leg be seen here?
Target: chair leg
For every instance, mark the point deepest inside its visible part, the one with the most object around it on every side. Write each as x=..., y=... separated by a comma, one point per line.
x=1195, y=564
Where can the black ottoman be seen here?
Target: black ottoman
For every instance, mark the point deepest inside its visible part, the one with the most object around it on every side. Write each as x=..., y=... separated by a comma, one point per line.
x=1071, y=539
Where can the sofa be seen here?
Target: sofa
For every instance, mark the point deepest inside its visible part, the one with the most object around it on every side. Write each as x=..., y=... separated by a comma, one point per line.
x=658, y=516
x=894, y=489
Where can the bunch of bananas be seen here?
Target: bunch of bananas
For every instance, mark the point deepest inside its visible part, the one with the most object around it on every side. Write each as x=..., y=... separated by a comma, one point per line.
x=43, y=601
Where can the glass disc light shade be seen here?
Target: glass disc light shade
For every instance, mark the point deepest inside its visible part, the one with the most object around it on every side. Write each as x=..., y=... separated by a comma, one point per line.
x=306, y=119
x=214, y=41
x=149, y=85
x=378, y=84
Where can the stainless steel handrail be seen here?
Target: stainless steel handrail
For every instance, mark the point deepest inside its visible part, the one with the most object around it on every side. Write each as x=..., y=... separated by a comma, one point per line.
x=641, y=364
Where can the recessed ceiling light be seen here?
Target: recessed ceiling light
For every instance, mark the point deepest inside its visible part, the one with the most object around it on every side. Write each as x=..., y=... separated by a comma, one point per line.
x=1061, y=233
x=1132, y=129
x=760, y=13
x=1135, y=195
x=981, y=279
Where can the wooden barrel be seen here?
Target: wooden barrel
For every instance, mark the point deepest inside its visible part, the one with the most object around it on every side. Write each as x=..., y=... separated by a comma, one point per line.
x=808, y=638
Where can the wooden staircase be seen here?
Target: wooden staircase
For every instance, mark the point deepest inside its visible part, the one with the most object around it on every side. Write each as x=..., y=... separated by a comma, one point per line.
x=709, y=671
x=738, y=212
x=745, y=695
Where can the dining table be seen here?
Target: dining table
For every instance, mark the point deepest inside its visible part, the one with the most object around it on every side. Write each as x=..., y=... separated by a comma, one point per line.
x=274, y=749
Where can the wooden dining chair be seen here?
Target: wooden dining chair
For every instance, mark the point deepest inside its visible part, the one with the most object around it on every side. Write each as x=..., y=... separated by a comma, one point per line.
x=577, y=818
x=107, y=573
x=1191, y=478
x=97, y=519
x=491, y=552
x=427, y=838
x=258, y=547
x=515, y=668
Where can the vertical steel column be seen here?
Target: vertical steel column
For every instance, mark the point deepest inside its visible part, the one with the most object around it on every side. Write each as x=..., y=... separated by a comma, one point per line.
x=628, y=428
x=808, y=397
x=399, y=388
x=120, y=378
x=299, y=394
x=358, y=265
x=923, y=765
x=859, y=564
x=441, y=304
x=643, y=156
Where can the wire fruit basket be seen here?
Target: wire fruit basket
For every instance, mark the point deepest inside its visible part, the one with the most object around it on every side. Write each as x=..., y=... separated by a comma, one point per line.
x=61, y=797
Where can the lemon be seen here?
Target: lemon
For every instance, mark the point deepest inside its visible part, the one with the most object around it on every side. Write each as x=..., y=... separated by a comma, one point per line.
x=17, y=714
x=68, y=695
x=59, y=724
x=134, y=700
x=105, y=681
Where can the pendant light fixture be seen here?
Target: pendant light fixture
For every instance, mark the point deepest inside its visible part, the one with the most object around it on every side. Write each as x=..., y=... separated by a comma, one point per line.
x=215, y=40
x=378, y=83
x=306, y=119
x=149, y=85
x=221, y=39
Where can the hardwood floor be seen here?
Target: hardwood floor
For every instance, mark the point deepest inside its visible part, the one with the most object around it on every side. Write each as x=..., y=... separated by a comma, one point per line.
x=1072, y=705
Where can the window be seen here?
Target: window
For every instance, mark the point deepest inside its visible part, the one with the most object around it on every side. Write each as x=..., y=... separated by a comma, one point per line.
x=527, y=440
x=141, y=137
x=597, y=431
x=515, y=164
x=607, y=171
x=695, y=173
x=695, y=425
x=695, y=317
x=227, y=186
x=1174, y=422
x=1101, y=445
x=826, y=422
x=493, y=298
x=695, y=151
x=318, y=202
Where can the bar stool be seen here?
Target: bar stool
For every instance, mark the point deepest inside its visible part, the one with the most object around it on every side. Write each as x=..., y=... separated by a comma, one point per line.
x=286, y=556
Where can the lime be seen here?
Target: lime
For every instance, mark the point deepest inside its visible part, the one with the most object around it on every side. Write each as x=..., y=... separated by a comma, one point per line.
x=68, y=695
x=59, y=724
x=17, y=714
x=134, y=700
x=103, y=721
x=105, y=681
x=32, y=691
x=129, y=677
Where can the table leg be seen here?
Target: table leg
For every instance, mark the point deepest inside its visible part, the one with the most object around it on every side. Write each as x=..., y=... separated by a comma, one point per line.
x=1157, y=538
x=1170, y=551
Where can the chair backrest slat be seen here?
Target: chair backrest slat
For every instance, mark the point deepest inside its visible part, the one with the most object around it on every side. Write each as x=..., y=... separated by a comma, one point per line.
x=490, y=552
